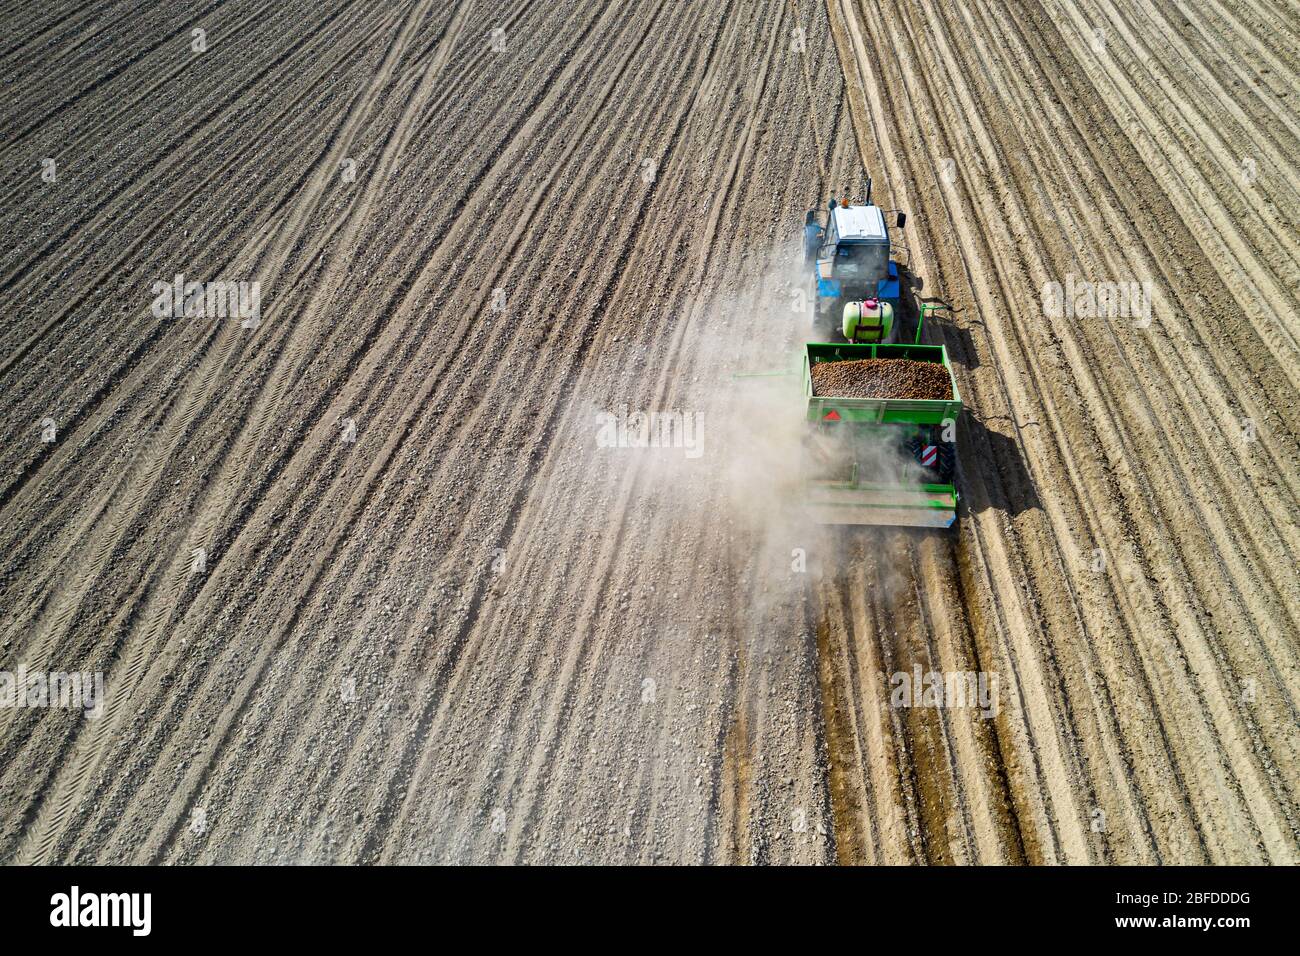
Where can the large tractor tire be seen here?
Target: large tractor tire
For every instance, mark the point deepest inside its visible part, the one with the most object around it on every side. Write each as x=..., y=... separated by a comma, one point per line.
x=826, y=319
x=947, y=462
x=945, y=465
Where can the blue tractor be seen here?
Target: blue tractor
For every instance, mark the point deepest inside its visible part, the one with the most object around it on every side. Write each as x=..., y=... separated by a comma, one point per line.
x=855, y=281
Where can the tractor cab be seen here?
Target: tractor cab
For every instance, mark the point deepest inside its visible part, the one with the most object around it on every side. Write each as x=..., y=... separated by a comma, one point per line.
x=853, y=260
x=852, y=267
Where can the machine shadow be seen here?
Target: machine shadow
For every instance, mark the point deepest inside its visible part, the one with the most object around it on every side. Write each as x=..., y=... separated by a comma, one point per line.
x=909, y=294
x=961, y=345
x=1006, y=484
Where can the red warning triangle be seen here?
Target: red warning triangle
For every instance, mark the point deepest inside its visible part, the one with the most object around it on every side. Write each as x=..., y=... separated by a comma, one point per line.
x=831, y=416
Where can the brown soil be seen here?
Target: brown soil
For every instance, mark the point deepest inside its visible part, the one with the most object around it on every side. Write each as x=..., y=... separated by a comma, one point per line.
x=436, y=620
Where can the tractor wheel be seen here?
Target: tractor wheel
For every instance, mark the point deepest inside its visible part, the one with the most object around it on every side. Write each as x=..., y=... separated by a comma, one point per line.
x=945, y=465
x=947, y=462
x=824, y=313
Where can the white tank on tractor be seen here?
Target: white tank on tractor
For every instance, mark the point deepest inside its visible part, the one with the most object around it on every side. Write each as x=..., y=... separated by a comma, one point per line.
x=868, y=321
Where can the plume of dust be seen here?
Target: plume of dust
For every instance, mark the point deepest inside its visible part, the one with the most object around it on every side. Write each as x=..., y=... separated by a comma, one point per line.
x=740, y=373
x=749, y=382
x=761, y=445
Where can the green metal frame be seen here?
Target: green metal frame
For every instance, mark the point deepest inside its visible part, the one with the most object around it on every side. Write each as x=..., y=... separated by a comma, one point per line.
x=935, y=505
x=926, y=309
x=946, y=494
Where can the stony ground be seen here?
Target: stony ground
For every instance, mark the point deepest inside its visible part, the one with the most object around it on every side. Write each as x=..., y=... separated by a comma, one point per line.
x=381, y=576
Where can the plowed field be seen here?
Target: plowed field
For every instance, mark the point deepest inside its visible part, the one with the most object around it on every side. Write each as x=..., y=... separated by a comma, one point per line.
x=375, y=577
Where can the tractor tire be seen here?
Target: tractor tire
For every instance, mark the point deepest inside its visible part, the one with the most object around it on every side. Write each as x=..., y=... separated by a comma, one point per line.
x=825, y=313
x=947, y=462
x=945, y=467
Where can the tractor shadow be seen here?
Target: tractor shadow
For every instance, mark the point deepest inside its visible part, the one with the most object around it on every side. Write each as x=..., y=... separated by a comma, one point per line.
x=1003, y=480
x=909, y=294
x=941, y=325
x=961, y=346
